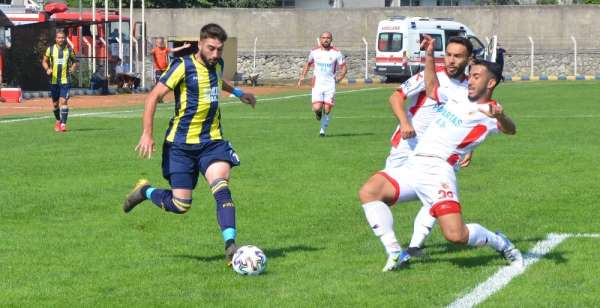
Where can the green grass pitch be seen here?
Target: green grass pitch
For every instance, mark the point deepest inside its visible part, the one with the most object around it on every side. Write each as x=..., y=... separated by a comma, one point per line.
x=64, y=240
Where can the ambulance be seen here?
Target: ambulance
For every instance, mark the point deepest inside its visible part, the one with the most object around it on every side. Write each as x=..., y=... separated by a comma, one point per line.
x=397, y=47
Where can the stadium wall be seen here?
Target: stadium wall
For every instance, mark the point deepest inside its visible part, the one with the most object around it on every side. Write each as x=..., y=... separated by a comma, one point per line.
x=285, y=36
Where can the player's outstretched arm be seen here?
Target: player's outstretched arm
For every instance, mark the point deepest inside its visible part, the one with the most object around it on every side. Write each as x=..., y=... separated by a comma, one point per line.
x=246, y=98
x=431, y=81
x=182, y=47
x=397, y=101
x=505, y=123
x=146, y=145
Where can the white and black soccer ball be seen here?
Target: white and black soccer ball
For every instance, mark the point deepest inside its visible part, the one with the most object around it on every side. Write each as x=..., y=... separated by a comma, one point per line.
x=249, y=260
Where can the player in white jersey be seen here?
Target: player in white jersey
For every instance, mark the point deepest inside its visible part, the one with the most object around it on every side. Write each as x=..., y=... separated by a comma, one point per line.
x=326, y=60
x=461, y=124
x=414, y=121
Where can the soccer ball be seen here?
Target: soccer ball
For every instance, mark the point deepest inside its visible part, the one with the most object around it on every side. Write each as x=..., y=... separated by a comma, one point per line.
x=249, y=260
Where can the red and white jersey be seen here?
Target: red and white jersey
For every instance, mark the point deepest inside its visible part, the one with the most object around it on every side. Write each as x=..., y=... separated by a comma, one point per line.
x=325, y=64
x=458, y=128
x=421, y=111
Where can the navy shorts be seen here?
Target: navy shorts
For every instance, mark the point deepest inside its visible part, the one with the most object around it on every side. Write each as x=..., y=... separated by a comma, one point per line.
x=157, y=74
x=183, y=163
x=59, y=90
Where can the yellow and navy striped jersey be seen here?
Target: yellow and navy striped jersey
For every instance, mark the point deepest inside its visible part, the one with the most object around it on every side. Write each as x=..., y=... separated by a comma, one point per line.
x=196, y=87
x=61, y=60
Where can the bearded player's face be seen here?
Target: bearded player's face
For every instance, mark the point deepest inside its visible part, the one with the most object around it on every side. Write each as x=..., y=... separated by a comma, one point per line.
x=211, y=50
x=326, y=39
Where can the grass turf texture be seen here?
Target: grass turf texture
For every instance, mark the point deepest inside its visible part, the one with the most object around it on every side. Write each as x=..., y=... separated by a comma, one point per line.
x=65, y=240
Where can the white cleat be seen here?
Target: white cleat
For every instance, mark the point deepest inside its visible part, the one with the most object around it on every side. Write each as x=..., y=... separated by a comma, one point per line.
x=396, y=261
x=510, y=251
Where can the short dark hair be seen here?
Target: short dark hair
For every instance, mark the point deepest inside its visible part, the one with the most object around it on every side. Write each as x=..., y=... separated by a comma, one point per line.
x=213, y=31
x=493, y=68
x=462, y=41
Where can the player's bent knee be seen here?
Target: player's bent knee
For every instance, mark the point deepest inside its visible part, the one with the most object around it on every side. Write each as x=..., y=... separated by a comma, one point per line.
x=456, y=236
x=371, y=191
x=365, y=194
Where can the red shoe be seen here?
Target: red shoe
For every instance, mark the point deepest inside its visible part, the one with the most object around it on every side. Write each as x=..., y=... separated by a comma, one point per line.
x=63, y=127
x=57, y=126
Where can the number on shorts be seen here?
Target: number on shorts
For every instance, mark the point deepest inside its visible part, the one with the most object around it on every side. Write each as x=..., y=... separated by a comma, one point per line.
x=445, y=194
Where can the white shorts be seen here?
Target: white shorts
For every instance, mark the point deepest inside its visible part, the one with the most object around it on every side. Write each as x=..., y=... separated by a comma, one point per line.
x=430, y=179
x=400, y=154
x=324, y=95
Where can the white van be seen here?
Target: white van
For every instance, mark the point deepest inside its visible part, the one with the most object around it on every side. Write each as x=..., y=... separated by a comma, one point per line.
x=397, y=47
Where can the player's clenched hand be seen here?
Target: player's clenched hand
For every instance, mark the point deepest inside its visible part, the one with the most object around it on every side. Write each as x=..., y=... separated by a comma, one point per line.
x=146, y=146
x=496, y=110
x=248, y=98
x=407, y=131
x=492, y=110
x=49, y=71
x=427, y=44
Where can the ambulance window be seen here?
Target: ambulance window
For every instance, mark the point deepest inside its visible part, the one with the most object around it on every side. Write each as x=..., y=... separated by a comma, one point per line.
x=389, y=41
x=476, y=43
x=453, y=33
x=439, y=42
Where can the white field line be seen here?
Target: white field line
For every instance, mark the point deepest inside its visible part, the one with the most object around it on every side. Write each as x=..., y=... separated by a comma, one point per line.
x=100, y=113
x=503, y=276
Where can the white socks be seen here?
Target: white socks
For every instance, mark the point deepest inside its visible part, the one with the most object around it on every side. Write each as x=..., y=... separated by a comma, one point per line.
x=423, y=224
x=325, y=120
x=381, y=222
x=480, y=236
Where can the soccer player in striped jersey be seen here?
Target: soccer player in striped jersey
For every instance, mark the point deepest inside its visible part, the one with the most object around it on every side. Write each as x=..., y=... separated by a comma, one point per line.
x=59, y=63
x=194, y=142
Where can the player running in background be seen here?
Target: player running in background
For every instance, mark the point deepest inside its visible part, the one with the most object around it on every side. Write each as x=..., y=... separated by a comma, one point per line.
x=325, y=60
x=194, y=141
x=462, y=123
x=414, y=121
x=59, y=63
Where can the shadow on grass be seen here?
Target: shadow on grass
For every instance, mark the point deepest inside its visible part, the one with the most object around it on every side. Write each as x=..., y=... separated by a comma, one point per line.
x=348, y=135
x=474, y=261
x=270, y=252
x=444, y=248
